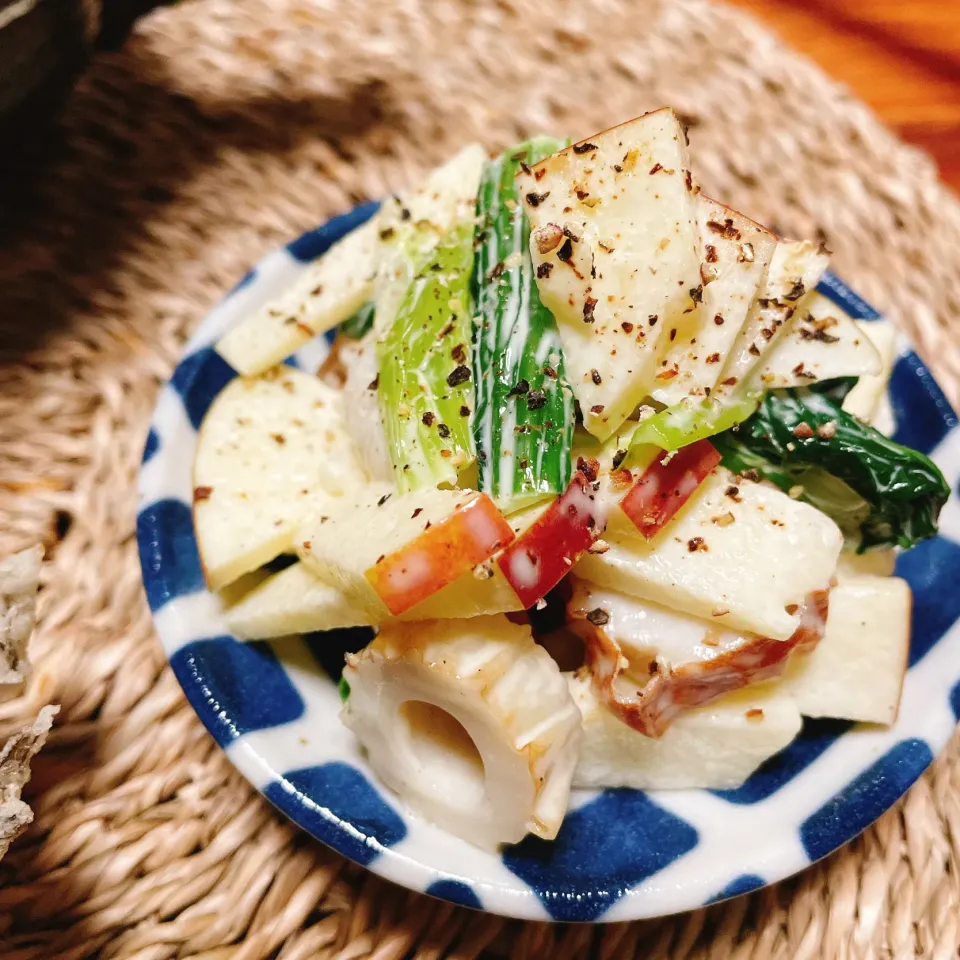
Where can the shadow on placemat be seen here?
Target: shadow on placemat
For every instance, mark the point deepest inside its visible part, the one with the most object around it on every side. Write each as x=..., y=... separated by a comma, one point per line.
x=129, y=143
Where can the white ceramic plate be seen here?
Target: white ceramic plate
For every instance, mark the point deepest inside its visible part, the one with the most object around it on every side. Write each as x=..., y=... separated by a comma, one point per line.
x=621, y=854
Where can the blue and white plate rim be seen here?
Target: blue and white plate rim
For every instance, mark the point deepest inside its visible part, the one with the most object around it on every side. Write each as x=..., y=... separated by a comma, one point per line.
x=622, y=855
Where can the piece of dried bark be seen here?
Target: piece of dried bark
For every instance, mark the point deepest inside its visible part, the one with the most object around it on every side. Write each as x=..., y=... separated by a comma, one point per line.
x=19, y=580
x=15, y=757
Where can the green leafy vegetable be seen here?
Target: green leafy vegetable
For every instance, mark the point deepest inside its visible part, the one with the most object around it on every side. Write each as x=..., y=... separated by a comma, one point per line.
x=357, y=325
x=524, y=422
x=691, y=420
x=343, y=688
x=875, y=489
x=425, y=386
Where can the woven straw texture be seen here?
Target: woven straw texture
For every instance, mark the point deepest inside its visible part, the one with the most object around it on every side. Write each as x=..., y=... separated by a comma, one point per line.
x=221, y=129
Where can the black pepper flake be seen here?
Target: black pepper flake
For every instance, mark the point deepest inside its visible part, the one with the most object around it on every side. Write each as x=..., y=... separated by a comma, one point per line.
x=496, y=272
x=598, y=617
x=627, y=326
x=696, y=293
x=595, y=377
x=317, y=290
x=751, y=474
x=535, y=199
x=711, y=254
x=588, y=306
x=733, y=493
x=726, y=229
x=713, y=358
x=718, y=319
x=673, y=334
x=597, y=408
x=548, y=371
x=383, y=499
x=202, y=493
x=584, y=147
x=618, y=458
x=404, y=213
x=688, y=179
x=536, y=399
x=279, y=438
x=460, y=375
x=652, y=319
x=543, y=270
x=656, y=167
x=459, y=354
x=566, y=251
x=374, y=383
x=753, y=350
x=443, y=430
x=525, y=167
x=696, y=545
x=387, y=233
x=582, y=194
x=482, y=456
x=618, y=168
x=416, y=513
x=796, y=291
x=464, y=411
x=428, y=419
x=519, y=388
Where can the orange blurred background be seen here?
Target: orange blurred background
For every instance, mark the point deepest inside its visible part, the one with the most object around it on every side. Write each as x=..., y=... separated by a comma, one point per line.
x=900, y=56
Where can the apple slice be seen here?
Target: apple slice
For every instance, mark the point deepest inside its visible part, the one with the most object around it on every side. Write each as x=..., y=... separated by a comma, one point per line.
x=272, y=452
x=544, y=553
x=615, y=246
x=714, y=747
x=735, y=253
x=856, y=672
x=740, y=554
x=866, y=398
x=821, y=343
x=667, y=484
x=650, y=664
x=406, y=547
x=470, y=535
x=794, y=271
x=326, y=293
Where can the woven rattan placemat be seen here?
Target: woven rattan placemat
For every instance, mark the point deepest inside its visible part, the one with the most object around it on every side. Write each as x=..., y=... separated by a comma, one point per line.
x=222, y=128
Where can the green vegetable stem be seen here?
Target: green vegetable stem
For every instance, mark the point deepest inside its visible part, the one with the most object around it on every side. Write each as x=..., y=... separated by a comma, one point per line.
x=425, y=384
x=524, y=421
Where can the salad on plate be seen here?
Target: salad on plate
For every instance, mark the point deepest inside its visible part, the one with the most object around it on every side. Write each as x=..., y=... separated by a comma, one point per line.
x=606, y=475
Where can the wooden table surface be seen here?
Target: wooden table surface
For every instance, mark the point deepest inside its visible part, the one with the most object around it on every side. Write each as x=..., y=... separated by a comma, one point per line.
x=902, y=57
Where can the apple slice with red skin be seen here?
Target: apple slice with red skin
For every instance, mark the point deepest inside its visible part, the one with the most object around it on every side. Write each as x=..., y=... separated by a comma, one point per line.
x=667, y=484
x=547, y=550
x=442, y=553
